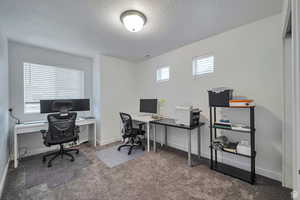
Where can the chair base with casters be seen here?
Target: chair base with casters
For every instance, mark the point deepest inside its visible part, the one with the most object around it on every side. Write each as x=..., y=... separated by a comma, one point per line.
x=133, y=143
x=62, y=151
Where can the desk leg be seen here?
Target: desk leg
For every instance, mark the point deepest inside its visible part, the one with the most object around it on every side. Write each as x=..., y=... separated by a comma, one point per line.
x=199, y=142
x=161, y=139
x=189, y=148
x=148, y=136
x=154, y=138
x=95, y=135
x=92, y=134
x=166, y=136
x=15, y=150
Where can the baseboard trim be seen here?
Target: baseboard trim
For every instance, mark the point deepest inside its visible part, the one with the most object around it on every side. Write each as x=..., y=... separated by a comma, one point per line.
x=108, y=141
x=3, y=178
x=261, y=171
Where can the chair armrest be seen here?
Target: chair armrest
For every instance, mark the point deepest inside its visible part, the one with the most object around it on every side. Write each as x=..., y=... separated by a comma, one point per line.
x=141, y=124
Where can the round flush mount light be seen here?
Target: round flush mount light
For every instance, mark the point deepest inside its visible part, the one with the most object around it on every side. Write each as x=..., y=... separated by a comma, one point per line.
x=133, y=20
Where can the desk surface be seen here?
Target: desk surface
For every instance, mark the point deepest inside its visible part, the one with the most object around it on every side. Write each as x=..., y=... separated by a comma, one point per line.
x=33, y=124
x=142, y=118
x=171, y=122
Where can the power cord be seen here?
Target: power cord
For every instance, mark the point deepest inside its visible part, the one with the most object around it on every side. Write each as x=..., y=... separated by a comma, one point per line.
x=18, y=121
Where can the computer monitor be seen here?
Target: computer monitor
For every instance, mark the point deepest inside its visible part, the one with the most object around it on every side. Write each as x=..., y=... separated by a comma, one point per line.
x=148, y=106
x=58, y=105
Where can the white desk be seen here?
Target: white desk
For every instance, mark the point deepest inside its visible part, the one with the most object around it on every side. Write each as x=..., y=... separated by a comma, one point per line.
x=36, y=127
x=146, y=119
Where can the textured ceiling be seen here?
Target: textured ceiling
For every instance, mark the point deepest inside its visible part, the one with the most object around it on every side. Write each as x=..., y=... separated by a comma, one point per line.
x=93, y=26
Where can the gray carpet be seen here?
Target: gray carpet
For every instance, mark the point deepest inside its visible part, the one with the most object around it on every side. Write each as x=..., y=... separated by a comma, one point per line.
x=154, y=176
x=61, y=172
x=112, y=157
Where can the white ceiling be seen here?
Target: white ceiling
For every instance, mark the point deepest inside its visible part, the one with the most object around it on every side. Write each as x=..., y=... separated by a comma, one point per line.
x=93, y=26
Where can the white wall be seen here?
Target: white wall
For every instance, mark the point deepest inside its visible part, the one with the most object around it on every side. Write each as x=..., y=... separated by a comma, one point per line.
x=118, y=94
x=248, y=59
x=19, y=53
x=4, y=101
x=97, y=94
x=287, y=137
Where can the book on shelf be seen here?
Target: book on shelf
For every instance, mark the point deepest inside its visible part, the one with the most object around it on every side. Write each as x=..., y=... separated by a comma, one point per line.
x=231, y=147
x=239, y=98
x=222, y=124
x=229, y=150
x=241, y=103
x=240, y=127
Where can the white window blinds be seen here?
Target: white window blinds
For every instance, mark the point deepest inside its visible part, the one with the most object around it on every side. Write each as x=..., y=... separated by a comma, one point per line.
x=49, y=82
x=163, y=74
x=203, y=65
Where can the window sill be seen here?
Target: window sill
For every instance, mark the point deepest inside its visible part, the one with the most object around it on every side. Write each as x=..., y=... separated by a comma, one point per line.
x=162, y=81
x=195, y=77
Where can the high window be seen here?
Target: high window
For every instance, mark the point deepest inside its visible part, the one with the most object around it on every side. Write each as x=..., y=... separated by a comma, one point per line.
x=203, y=65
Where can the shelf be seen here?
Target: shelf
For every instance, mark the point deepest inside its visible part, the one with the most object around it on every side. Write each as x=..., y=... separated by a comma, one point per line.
x=240, y=107
x=234, y=172
x=238, y=154
x=229, y=129
x=227, y=169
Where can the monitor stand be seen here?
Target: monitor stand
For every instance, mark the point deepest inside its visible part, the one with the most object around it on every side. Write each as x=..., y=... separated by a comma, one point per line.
x=152, y=115
x=145, y=114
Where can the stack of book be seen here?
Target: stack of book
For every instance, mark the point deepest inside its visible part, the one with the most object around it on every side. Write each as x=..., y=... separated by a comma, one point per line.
x=231, y=147
x=226, y=124
x=223, y=124
x=240, y=127
x=241, y=103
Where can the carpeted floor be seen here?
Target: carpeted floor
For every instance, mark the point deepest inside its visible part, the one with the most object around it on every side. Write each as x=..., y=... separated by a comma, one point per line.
x=153, y=176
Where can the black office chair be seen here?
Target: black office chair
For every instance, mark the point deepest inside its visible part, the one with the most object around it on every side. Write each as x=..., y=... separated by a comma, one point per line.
x=131, y=134
x=62, y=129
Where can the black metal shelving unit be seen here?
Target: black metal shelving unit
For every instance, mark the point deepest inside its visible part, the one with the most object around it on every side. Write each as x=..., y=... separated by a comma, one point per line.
x=226, y=169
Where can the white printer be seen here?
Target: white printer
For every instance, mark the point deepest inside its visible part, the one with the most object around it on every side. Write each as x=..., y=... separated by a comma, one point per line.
x=187, y=115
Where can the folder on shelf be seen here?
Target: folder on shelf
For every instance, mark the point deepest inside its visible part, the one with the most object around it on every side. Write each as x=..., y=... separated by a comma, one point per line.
x=241, y=103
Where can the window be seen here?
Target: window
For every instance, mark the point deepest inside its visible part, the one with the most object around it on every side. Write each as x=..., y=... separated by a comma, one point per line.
x=49, y=82
x=163, y=74
x=203, y=65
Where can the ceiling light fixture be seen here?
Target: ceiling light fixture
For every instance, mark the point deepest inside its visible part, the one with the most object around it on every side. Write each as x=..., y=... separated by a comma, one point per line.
x=133, y=20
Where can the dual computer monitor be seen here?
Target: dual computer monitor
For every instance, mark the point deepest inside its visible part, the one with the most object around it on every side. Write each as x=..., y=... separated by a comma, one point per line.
x=61, y=105
x=149, y=106
x=64, y=105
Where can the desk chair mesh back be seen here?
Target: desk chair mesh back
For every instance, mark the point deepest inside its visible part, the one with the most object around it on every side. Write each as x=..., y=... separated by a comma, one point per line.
x=132, y=135
x=62, y=129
